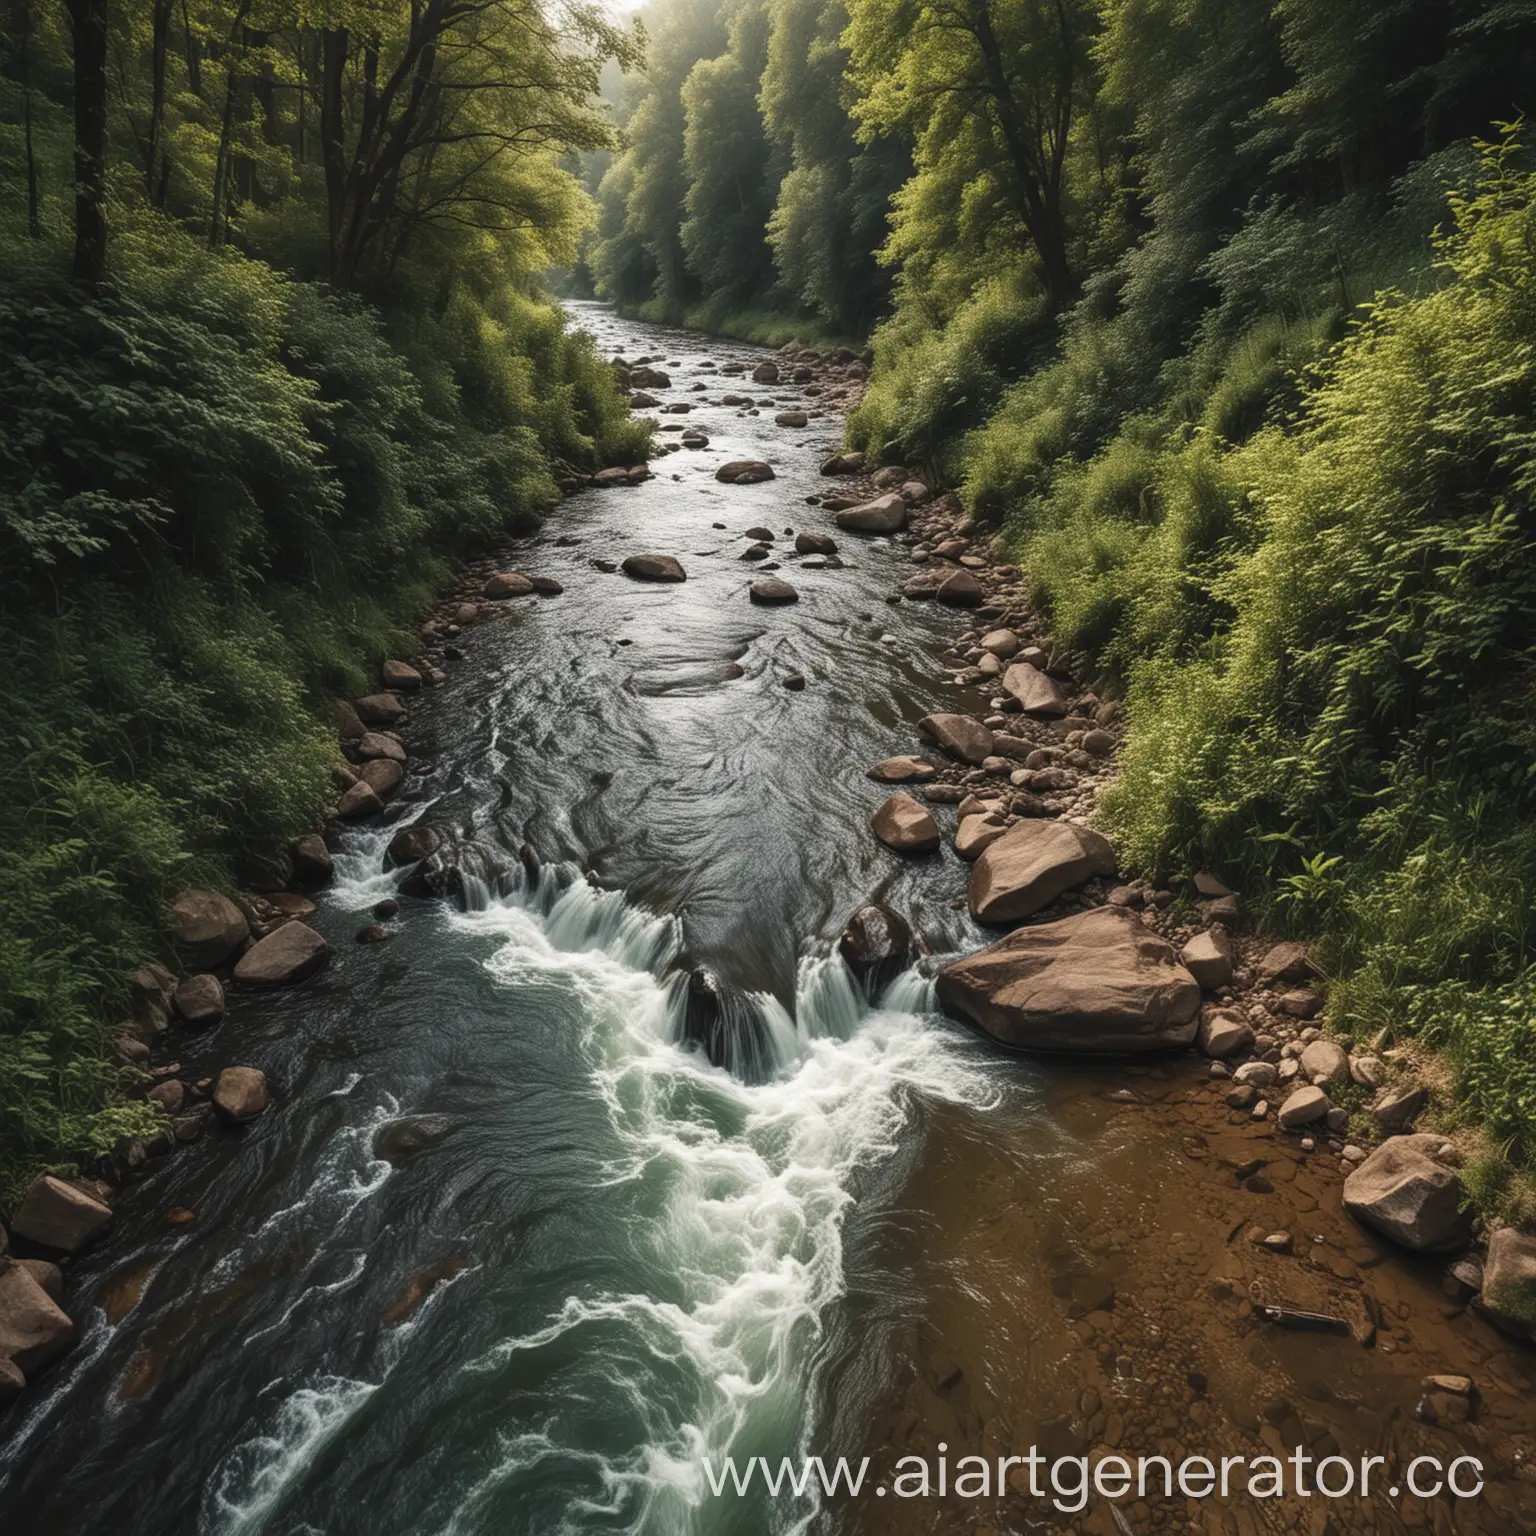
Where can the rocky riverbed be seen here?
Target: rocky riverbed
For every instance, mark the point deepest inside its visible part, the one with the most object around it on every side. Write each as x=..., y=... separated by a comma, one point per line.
x=716, y=775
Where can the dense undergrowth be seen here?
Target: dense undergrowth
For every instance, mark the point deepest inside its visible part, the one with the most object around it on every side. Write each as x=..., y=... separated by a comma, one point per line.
x=1301, y=539
x=224, y=495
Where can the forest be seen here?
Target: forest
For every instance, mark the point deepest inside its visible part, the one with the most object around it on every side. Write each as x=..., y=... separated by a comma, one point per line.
x=275, y=352
x=1223, y=314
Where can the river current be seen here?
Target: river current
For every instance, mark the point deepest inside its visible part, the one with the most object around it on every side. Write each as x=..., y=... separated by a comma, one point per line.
x=631, y=1259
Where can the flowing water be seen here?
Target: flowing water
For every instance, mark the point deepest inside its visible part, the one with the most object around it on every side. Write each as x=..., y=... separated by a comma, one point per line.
x=861, y=1232
x=631, y=1259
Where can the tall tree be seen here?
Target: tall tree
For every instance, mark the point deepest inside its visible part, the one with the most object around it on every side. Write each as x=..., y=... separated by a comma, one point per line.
x=1009, y=76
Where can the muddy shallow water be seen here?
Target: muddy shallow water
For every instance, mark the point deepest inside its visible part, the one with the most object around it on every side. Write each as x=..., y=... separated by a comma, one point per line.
x=620, y=1260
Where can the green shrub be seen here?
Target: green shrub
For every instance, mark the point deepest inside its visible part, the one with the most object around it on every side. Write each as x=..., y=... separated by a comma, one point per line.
x=222, y=495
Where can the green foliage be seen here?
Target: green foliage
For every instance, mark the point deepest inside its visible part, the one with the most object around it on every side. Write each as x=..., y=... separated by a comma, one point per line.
x=221, y=493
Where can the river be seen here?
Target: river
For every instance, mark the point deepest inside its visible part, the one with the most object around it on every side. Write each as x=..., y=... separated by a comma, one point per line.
x=865, y=1231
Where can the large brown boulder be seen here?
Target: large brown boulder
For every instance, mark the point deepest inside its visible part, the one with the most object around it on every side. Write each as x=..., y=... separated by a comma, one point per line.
x=1406, y=1195
x=287, y=955
x=240, y=1094
x=207, y=927
x=905, y=826
x=885, y=514
x=61, y=1216
x=654, y=568
x=400, y=675
x=815, y=544
x=1099, y=981
x=1032, y=864
x=1037, y=692
x=33, y=1327
x=959, y=735
x=1509, y=1282
x=383, y=775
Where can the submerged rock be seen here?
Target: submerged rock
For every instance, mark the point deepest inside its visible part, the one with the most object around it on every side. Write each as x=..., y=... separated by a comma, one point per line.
x=1099, y=981
x=398, y=1141
x=876, y=946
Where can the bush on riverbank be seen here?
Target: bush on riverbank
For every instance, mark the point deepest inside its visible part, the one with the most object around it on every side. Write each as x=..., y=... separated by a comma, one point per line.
x=224, y=495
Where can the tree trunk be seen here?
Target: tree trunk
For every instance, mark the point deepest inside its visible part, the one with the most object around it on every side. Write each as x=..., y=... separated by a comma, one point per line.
x=154, y=177
x=88, y=21
x=24, y=59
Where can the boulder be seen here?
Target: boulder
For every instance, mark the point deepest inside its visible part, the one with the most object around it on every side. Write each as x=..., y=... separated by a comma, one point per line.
x=876, y=946
x=1397, y=1108
x=815, y=544
x=359, y=802
x=1032, y=864
x=400, y=677
x=791, y=419
x=843, y=464
x=905, y=826
x=549, y=586
x=959, y=735
x=1509, y=1282
x=1404, y=1194
x=770, y=591
x=61, y=1216
x=1223, y=1035
x=207, y=927
x=654, y=568
x=1002, y=643
x=378, y=744
x=885, y=514
x=1304, y=1107
x=1284, y=964
x=901, y=770
x=240, y=1094
x=200, y=1000
x=760, y=534
x=413, y=843
x=312, y=862
x=766, y=373
x=399, y=1141
x=1098, y=981
x=1257, y=1074
x=976, y=834
x=744, y=472
x=961, y=590
x=1325, y=1063
x=47, y=1275
x=383, y=775
x=33, y=1328
x=1208, y=958
x=380, y=710
x=507, y=584
x=1037, y=693
x=287, y=955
